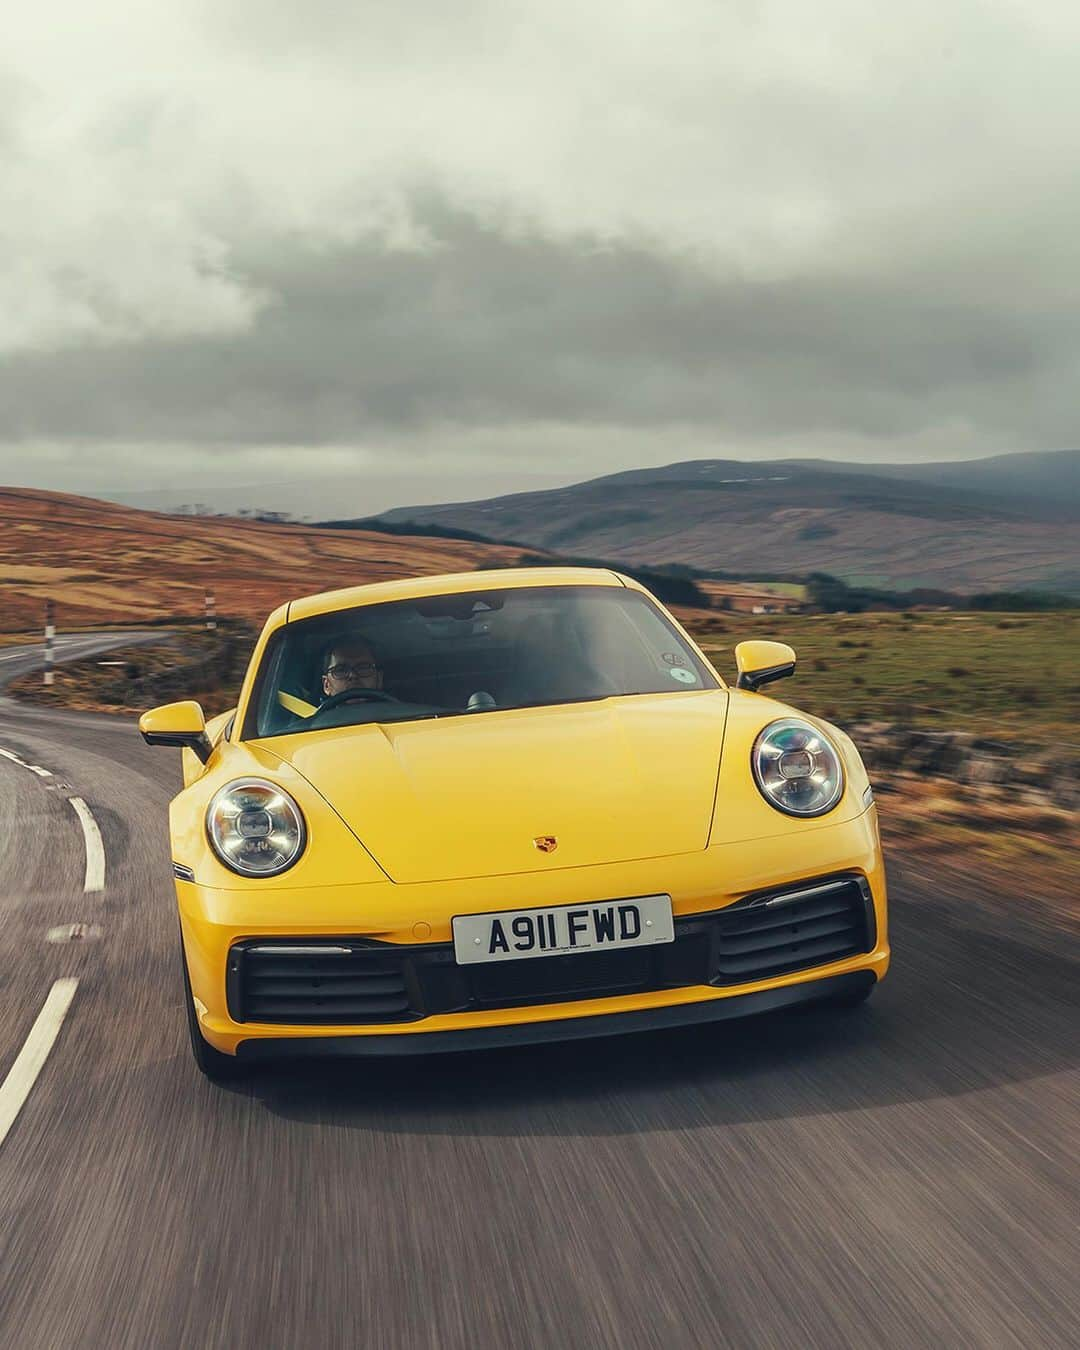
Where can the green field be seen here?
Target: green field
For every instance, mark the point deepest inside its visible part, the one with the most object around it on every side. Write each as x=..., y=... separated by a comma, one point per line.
x=1012, y=676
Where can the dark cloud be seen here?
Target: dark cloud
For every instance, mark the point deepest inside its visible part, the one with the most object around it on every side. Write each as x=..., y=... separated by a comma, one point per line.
x=493, y=328
x=586, y=236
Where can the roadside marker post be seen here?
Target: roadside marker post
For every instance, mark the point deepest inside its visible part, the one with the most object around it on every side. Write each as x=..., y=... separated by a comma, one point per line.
x=211, y=614
x=50, y=640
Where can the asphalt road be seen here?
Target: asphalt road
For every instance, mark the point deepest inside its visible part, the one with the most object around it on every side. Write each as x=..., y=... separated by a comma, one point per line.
x=15, y=661
x=902, y=1176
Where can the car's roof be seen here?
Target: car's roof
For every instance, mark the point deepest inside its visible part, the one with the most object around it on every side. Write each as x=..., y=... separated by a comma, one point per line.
x=505, y=578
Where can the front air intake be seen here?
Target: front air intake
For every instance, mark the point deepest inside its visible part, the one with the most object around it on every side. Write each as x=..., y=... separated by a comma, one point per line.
x=811, y=925
x=316, y=984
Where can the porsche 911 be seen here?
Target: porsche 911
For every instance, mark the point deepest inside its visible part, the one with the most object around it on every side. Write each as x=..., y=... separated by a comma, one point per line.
x=508, y=807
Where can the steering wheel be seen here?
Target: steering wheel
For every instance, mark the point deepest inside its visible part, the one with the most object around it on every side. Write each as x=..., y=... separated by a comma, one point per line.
x=354, y=696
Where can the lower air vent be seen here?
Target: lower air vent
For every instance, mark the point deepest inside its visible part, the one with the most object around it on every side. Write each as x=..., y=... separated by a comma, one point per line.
x=794, y=930
x=316, y=984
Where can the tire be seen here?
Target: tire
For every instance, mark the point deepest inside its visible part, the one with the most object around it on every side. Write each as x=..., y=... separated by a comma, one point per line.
x=217, y=1067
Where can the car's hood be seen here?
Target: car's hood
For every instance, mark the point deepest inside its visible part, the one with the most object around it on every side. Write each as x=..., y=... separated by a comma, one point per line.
x=467, y=796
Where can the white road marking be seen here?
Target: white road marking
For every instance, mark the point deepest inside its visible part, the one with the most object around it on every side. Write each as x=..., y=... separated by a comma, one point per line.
x=34, y=768
x=73, y=932
x=31, y=1058
x=95, y=849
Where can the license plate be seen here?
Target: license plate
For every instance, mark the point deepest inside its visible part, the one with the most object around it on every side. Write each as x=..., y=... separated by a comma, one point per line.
x=520, y=934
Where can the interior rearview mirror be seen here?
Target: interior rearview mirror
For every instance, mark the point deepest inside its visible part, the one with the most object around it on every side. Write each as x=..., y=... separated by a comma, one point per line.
x=760, y=663
x=180, y=724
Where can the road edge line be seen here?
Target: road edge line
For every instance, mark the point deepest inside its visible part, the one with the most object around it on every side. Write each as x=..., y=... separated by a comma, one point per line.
x=30, y=1060
x=95, y=848
x=34, y=768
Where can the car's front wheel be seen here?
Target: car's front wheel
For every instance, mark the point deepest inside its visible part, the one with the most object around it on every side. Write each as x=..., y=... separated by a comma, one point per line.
x=211, y=1062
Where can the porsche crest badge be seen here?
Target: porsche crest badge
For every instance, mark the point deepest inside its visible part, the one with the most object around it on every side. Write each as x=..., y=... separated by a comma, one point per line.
x=546, y=843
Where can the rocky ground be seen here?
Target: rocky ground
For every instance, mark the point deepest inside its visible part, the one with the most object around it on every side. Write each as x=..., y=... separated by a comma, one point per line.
x=979, y=806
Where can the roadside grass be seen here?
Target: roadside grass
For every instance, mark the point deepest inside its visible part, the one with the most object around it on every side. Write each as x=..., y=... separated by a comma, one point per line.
x=1013, y=677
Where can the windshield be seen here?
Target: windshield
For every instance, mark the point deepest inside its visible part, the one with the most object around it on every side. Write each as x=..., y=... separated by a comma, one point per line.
x=469, y=654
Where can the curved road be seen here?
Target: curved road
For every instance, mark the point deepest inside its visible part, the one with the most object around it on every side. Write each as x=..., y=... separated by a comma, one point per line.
x=903, y=1177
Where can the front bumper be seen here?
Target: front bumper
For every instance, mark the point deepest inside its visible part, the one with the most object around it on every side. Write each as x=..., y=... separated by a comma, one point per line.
x=564, y=1029
x=415, y=918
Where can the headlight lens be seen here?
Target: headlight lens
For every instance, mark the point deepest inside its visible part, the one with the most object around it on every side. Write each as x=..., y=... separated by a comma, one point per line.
x=797, y=769
x=255, y=828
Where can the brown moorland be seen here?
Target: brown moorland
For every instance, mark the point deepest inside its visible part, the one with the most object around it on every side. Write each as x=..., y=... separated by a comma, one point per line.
x=102, y=564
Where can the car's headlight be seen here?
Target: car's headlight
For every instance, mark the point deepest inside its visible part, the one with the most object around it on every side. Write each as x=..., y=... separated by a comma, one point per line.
x=255, y=828
x=797, y=769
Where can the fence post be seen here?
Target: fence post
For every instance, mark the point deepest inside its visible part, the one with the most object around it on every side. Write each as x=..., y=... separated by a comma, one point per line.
x=50, y=639
x=211, y=614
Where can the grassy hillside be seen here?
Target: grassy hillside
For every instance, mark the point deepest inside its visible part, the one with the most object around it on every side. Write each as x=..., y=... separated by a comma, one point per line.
x=103, y=564
x=1005, y=676
x=868, y=526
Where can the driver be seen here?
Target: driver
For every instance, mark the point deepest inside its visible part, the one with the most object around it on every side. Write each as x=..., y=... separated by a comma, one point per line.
x=350, y=663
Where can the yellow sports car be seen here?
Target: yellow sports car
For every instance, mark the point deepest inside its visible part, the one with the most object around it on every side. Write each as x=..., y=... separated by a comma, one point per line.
x=507, y=807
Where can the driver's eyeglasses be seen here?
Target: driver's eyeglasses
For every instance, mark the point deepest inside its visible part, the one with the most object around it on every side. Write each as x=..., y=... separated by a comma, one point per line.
x=352, y=670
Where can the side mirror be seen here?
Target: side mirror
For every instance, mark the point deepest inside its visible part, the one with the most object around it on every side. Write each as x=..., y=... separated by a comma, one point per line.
x=762, y=662
x=180, y=724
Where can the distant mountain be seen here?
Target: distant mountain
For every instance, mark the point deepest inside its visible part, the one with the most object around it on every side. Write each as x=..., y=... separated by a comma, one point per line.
x=1052, y=477
x=1007, y=523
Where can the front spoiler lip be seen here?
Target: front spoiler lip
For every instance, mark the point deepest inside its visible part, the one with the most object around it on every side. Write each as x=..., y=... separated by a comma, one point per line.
x=565, y=1029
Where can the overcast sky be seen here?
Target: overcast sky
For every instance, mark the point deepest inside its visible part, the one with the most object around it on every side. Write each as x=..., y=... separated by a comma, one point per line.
x=338, y=257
